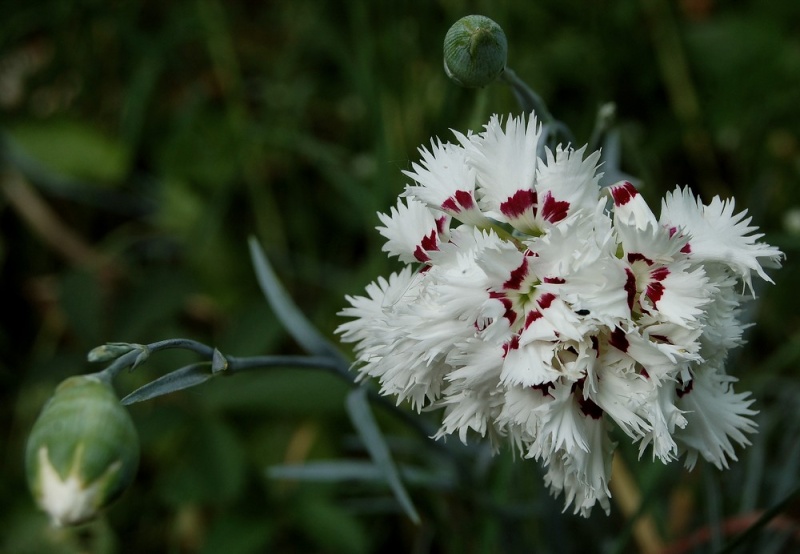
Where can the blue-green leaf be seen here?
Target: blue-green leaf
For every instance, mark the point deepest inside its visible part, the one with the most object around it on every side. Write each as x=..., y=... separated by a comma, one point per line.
x=334, y=471
x=327, y=471
x=183, y=378
x=361, y=415
x=290, y=315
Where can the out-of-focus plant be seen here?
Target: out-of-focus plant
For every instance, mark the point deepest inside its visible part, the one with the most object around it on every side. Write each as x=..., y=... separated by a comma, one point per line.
x=77, y=466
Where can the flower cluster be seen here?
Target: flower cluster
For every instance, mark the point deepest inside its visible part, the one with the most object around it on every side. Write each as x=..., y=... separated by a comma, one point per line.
x=539, y=308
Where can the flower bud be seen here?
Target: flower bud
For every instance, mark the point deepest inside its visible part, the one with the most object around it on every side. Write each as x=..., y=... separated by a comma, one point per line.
x=83, y=451
x=475, y=51
x=110, y=351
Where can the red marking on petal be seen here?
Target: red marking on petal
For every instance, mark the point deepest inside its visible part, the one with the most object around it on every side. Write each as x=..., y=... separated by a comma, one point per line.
x=546, y=300
x=430, y=242
x=544, y=388
x=531, y=317
x=645, y=374
x=659, y=274
x=618, y=340
x=634, y=257
x=654, y=292
x=553, y=210
x=513, y=344
x=515, y=280
x=459, y=202
x=686, y=248
x=623, y=193
x=589, y=408
x=554, y=280
x=509, y=314
x=441, y=224
x=465, y=199
x=519, y=203
x=596, y=346
x=450, y=205
x=686, y=389
x=630, y=287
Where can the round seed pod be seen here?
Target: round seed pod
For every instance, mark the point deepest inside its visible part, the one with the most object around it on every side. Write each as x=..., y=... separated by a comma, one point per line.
x=475, y=51
x=83, y=451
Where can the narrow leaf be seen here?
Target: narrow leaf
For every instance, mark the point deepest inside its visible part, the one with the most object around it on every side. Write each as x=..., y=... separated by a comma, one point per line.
x=358, y=470
x=327, y=471
x=361, y=415
x=285, y=309
x=183, y=378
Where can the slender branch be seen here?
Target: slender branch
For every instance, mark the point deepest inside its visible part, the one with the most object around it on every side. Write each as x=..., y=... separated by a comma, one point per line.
x=187, y=344
x=139, y=353
x=128, y=360
x=528, y=100
x=238, y=365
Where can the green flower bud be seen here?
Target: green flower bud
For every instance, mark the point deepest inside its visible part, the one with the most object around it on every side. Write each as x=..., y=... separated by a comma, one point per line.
x=475, y=51
x=83, y=451
x=110, y=351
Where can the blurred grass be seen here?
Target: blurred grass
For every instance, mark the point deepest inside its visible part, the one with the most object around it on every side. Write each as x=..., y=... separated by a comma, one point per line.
x=143, y=142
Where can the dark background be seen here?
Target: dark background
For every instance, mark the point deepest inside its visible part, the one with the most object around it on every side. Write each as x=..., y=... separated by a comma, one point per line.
x=143, y=142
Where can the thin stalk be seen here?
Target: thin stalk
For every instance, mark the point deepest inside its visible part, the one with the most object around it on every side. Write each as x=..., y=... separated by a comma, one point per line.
x=527, y=99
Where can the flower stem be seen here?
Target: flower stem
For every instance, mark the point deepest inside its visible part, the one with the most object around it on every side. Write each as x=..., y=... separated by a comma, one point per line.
x=528, y=100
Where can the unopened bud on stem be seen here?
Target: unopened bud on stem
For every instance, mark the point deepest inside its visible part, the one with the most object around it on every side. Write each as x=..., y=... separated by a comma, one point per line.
x=475, y=51
x=110, y=351
x=83, y=451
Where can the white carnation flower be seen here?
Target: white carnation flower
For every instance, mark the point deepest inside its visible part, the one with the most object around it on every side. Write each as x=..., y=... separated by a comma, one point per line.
x=533, y=312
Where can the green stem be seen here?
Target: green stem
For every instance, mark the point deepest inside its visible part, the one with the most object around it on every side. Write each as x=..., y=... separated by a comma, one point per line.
x=187, y=344
x=127, y=360
x=528, y=100
x=337, y=364
x=238, y=365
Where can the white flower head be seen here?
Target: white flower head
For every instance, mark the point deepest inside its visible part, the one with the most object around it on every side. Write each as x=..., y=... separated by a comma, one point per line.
x=533, y=311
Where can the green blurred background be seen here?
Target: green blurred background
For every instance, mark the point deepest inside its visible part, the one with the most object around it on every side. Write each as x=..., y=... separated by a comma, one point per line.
x=143, y=142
